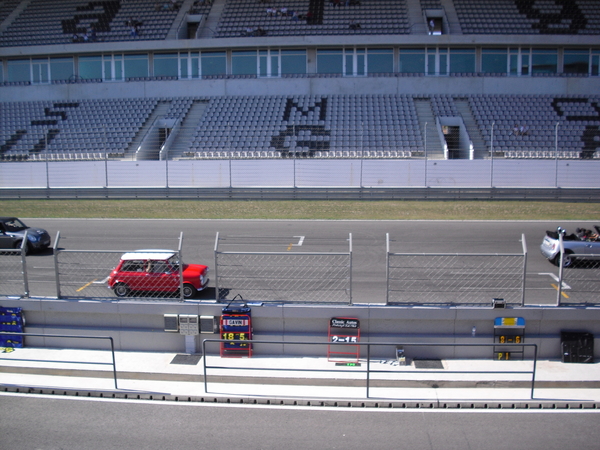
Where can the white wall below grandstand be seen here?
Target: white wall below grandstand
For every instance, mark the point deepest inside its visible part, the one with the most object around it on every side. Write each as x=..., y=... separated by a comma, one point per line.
x=338, y=173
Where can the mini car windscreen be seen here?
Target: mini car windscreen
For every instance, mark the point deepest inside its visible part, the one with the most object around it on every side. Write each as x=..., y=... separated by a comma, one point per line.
x=14, y=225
x=159, y=267
x=174, y=261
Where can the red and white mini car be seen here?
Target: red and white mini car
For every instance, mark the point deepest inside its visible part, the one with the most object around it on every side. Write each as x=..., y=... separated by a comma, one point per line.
x=156, y=271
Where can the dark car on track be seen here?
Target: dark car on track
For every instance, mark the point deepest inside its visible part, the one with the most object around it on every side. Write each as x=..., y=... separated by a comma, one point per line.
x=12, y=233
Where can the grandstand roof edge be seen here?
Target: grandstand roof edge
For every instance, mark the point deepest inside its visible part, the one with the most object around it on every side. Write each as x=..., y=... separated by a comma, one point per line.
x=303, y=41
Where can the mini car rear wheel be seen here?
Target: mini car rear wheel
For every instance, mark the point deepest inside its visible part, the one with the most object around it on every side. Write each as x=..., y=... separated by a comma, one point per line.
x=121, y=290
x=189, y=291
x=567, y=259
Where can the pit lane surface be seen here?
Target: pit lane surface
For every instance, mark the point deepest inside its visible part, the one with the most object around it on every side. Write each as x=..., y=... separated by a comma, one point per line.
x=368, y=242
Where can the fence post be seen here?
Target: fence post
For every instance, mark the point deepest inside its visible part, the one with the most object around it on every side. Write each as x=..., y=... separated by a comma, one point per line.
x=560, y=267
x=216, y=251
x=230, y=155
x=524, y=243
x=535, y=352
x=556, y=154
x=180, y=257
x=350, y=254
x=387, y=268
x=105, y=159
x=114, y=361
x=492, y=156
x=294, y=173
x=56, y=272
x=368, y=368
x=425, y=148
x=47, y=167
x=24, y=263
x=167, y=170
x=362, y=156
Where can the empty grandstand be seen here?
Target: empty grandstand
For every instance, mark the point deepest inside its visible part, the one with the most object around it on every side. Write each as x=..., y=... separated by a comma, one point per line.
x=318, y=79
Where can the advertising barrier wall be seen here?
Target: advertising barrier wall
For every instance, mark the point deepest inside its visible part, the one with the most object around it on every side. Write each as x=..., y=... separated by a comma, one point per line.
x=289, y=173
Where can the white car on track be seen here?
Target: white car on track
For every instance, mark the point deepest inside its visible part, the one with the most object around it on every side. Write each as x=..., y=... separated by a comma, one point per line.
x=583, y=243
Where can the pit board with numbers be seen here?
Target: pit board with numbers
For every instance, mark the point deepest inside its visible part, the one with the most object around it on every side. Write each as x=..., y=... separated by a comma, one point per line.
x=236, y=328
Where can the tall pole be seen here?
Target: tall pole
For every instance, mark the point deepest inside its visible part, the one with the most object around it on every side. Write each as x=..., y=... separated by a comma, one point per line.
x=361, y=153
x=105, y=158
x=229, y=149
x=556, y=154
x=425, y=142
x=492, y=156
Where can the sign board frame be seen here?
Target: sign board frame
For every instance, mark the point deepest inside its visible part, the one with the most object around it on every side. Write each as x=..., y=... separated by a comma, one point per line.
x=236, y=326
x=343, y=330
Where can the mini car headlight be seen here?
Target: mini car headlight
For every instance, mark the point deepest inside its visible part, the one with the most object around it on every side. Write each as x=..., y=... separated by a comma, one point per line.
x=33, y=237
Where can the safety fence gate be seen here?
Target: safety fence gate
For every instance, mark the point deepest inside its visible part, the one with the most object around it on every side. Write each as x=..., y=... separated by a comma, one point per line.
x=303, y=277
x=455, y=278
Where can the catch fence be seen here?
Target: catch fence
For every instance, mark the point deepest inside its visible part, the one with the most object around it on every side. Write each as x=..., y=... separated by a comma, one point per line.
x=13, y=272
x=306, y=277
x=85, y=273
x=579, y=283
x=455, y=278
x=436, y=279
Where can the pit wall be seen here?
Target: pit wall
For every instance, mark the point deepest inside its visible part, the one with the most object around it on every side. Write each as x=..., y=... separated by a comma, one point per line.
x=137, y=326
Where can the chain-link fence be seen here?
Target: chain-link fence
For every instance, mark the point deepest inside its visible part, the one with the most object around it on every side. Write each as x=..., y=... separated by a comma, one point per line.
x=307, y=277
x=455, y=279
x=153, y=274
x=13, y=273
x=140, y=274
x=579, y=283
x=84, y=274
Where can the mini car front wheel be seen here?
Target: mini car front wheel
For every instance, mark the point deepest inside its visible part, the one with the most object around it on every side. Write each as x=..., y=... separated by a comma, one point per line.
x=189, y=291
x=121, y=290
x=27, y=249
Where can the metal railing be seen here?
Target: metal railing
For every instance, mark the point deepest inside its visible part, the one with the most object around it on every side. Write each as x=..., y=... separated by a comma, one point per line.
x=66, y=336
x=368, y=371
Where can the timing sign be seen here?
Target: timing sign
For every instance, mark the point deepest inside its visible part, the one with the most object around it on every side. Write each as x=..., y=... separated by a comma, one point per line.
x=236, y=327
x=509, y=330
x=11, y=319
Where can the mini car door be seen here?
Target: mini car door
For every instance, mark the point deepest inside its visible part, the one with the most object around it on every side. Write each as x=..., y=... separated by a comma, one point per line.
x=132, y=273
x=592, y=248
x=6, y=241
x=162, y=277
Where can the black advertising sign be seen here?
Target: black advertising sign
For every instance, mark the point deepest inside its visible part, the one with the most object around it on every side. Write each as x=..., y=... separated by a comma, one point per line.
x=343, y=322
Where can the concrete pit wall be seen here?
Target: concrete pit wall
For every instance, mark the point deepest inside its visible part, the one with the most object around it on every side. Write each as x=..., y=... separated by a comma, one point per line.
x=139, y=326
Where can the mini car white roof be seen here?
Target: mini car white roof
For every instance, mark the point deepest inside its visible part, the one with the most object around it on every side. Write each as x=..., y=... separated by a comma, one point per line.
x=153, y=254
